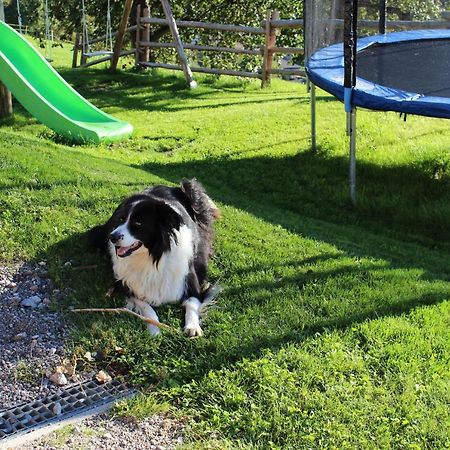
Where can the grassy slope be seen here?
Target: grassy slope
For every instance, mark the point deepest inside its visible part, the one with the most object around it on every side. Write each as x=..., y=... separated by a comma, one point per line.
x=332, y=331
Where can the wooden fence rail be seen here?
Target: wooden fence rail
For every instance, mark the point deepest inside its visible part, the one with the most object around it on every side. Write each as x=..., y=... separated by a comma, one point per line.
x=268, y=31
x=370, y=24
x=241, y=51
x=267, y=50
x=204, y=25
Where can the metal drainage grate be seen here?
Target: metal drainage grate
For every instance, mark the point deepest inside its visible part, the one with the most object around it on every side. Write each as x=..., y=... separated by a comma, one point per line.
x=66, y=403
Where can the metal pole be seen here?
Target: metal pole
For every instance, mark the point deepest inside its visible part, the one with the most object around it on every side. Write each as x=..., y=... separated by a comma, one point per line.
x=19, y=16
x=2, y=11
x=313, y=116
x=382, y=17
x=351, y=131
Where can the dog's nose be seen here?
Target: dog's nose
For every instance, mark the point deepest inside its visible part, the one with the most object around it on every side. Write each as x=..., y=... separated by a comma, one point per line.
x=115, y=237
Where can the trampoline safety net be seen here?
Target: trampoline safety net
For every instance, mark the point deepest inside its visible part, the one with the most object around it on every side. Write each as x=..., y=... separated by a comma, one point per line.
x=323, y=22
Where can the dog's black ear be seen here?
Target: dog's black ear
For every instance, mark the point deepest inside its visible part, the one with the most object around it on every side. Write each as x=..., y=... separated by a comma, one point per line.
x=169, y=218
x=169, y=222
x=98, y=238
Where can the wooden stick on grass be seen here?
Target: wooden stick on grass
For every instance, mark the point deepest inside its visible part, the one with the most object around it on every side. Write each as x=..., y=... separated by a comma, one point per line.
x=128, y=311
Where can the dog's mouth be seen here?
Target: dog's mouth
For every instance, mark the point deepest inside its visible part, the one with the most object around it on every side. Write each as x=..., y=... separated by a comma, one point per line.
x=123, y=252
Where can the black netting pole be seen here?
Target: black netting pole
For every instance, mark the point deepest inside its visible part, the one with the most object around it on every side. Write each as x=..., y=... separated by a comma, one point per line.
x=350, y=47
x=305, y=32
x=350, y=27
x=355, y=39
x=348, y=35
x=382, y=17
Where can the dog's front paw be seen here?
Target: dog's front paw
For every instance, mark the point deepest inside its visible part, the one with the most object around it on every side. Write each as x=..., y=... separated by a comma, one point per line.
x=154, y=331
x=193, y=330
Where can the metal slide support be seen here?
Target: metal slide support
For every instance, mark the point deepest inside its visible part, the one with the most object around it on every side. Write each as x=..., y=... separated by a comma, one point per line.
x=351, y=131
x=313, y=116
x=2, y=11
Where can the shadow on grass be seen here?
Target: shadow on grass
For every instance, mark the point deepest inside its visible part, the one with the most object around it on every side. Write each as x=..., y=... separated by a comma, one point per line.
x=160, y=91
x=306, y=194
x=403, y=201
x=264, y=319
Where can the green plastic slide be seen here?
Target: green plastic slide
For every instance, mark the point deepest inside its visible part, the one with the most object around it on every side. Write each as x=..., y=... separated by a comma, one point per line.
x=42, y=91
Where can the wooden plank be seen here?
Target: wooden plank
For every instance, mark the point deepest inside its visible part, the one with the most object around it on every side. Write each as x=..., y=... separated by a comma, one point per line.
x=287, y=71
x=178, y=44
x=284, y=23
x=138, y=35
x=76, y=49
x=242, y=51
x=398, y=24
x=265, y=74
x=270, y=41
x=236, y=73
x=207, y=25
x=289, y=50
x=145, y=54
x=393, y=24
x=107, y=58
x=120, y=34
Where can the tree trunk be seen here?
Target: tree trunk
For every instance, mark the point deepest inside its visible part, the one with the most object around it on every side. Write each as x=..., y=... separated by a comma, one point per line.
x=5, y=102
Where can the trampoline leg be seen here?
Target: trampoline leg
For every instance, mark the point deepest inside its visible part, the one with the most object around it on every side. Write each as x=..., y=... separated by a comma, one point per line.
x=351, y=131
x=313, y=116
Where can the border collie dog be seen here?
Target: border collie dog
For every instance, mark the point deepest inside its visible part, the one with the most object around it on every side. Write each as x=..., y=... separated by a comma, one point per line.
x=160, y=242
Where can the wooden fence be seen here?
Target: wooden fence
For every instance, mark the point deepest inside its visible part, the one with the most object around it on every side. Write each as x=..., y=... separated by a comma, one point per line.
x=268, y=48
x=269, y=29
x=18, y=27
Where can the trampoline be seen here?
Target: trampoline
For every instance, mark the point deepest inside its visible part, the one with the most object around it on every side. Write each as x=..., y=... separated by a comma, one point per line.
x=407, y=71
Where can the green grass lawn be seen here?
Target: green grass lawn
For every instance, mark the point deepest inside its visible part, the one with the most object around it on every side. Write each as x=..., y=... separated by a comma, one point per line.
x=333, y=327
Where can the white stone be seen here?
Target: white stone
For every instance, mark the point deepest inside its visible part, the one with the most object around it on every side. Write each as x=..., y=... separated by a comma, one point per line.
x=58, y=378
x=31, y=302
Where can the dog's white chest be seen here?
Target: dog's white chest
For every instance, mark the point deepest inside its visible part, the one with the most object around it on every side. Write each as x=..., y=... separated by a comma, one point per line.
x=157, y=285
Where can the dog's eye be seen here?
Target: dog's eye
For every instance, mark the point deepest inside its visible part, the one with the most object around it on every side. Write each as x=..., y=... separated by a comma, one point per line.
x=137, y=222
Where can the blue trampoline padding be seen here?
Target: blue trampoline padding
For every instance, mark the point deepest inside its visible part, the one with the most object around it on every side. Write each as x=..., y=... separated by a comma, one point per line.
x=326, y=69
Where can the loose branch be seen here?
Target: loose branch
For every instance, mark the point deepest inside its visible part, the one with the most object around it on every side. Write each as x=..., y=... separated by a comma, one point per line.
x=128, y=311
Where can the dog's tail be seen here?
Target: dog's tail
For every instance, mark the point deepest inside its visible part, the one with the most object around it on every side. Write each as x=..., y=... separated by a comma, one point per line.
x=205, y=211
x=208, y=297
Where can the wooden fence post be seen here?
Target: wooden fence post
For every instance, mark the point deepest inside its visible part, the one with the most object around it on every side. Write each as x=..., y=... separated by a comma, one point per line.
x=5, y=102
x=179, y=45
x=146, y=35
x=137, y=56
x=271, y=39
x=84, y=58
x=76, y=48
x=120, y=34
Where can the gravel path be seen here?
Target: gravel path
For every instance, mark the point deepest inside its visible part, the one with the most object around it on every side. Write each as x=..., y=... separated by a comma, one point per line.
x=103, y=432
x=32, y=339
x=31, y=335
